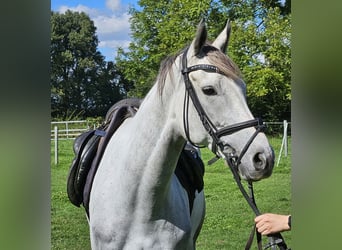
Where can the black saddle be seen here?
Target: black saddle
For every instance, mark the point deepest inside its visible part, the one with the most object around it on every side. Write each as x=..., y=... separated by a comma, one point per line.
x=89, y=147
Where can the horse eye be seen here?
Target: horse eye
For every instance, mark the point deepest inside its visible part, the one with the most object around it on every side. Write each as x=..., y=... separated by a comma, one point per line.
x=209, y=90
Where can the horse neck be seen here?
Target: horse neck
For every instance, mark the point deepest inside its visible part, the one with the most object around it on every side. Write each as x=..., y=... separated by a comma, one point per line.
x=162, y=142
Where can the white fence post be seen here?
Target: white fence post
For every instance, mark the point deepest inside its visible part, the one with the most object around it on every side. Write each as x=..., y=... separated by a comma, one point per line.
x=56, y=145
x=285, y=137
x=67, y=129
x=283, y=143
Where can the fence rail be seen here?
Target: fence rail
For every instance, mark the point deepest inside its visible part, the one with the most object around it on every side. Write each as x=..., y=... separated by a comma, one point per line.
x=68, y=130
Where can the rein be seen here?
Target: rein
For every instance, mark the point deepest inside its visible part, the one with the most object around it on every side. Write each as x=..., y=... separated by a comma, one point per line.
x=231, y=158
x=275, y=239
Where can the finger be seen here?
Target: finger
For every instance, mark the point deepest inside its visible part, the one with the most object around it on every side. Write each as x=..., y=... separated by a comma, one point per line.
x=264, y=229
x=257, y=219
x=266, y=232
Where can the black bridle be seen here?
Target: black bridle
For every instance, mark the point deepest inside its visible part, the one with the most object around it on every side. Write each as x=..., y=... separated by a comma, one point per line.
x=218, y=146
x=213, y=131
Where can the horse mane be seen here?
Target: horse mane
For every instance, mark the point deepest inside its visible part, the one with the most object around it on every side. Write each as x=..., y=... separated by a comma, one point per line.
x=215, y=57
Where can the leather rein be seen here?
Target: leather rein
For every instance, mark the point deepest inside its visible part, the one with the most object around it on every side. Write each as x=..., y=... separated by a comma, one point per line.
x=232, y=159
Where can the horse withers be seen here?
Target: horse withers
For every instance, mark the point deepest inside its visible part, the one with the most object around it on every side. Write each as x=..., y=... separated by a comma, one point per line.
x=136, y=200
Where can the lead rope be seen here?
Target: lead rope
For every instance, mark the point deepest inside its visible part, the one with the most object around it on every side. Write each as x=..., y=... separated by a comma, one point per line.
x=233, y=162
x=274, y=239
x=254, y=229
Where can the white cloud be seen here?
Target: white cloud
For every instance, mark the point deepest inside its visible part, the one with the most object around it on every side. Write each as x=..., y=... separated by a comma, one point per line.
x=79, y=8
x=114, y=44
x=113, y=5
x=112, y=24
x=112, y=27
x=113, y=32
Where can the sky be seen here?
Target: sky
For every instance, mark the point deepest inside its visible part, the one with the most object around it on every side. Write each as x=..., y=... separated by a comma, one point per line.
x=110, y=17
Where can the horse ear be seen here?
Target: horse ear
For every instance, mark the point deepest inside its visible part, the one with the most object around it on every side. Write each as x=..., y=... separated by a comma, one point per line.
x=200, y=39
x=221, y=42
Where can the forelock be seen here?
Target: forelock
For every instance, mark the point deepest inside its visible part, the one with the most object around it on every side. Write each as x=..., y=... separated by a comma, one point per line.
x=222, y=62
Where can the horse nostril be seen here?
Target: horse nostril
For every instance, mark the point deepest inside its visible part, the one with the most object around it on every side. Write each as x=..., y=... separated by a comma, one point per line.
x=259, y=161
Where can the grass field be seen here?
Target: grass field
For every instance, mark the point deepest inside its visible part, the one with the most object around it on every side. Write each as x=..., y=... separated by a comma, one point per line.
x=228, y=220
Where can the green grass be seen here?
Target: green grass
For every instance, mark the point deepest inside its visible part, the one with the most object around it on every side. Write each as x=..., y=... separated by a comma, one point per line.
x=69, y=228
x=228, y=220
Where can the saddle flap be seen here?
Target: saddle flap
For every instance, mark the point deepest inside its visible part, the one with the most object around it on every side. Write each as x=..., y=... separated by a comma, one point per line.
x=88, y=149
x=79, y=144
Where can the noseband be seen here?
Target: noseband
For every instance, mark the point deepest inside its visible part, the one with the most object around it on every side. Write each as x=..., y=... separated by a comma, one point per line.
x=218, y=146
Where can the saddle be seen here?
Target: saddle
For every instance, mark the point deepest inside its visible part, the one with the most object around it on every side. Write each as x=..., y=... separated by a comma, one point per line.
x=89, y=147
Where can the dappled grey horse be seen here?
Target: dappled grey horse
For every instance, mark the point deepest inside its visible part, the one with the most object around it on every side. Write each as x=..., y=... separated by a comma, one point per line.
x=136, y=201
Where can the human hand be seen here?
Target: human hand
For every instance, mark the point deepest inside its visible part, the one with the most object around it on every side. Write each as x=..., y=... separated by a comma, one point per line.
x=269, y=223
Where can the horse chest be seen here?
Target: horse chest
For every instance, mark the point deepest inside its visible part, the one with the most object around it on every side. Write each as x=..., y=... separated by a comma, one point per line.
x=142, y=224
x=159, y=234
x=164, y=232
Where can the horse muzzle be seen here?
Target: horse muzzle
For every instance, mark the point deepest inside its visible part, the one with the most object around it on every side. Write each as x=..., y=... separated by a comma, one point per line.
x=257, y=164
x=255, y=160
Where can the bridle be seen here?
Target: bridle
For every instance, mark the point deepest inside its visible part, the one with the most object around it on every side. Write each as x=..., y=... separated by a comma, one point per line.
x=219, y=147
x=212, y=130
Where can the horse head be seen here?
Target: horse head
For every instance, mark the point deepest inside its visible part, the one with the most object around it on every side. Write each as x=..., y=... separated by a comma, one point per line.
x=217, y=102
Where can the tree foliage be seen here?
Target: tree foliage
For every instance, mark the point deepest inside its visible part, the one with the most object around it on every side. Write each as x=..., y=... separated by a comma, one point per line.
x=259, y=44
x=82, y=83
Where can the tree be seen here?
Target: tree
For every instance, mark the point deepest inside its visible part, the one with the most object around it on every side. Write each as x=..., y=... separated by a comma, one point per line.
x=159, y=29
x=262, y=50
x=82, y=83
x=260, y=45
x=109, y=87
